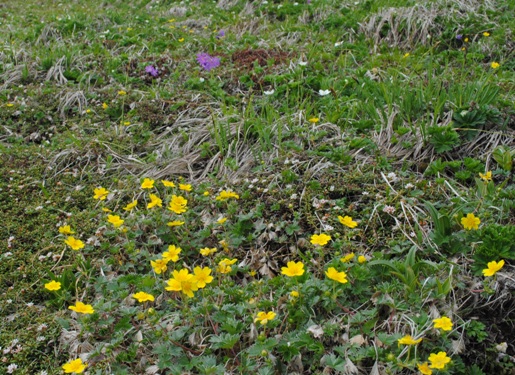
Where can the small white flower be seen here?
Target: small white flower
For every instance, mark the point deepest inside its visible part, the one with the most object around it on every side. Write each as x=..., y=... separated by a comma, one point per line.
x=303, y=63
x=501, y=347
x=201, y=79
x=324, y=92
x=392, y=176
x=365, y=193
x=388, y=209
x=409, y=185
x=327, y=227
x=30, y=304
x=11, y=368
x=9, y=301
x=269, y=92
x=40, y=338
x=42, y=327
x=294, y=196
x=338, y=44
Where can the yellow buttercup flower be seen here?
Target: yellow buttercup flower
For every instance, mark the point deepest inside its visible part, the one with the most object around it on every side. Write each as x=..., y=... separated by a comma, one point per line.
x=444, y=323
x=424, y=368
x=131, y=205
x=147, y=183
x=207, y=251
x=408, y=340
x=172, y=254
x=53, y=285
x=293, y=269
x=159, y=265
x=362, y=259
x=294, y=294
x=347, y=221
x=178, y=204
x=470, y=222
x=202, y=276
x=333, y=274
x=154, y=201
x=74, y=367
x=206, y=193
x=115, y=220
x=221, y=220
x=486, y=33
x=104, y=105
x=66, y=229
x=168, y=183
x=495, y=65
x=224, y=266
x=493, y=267
x=122, y=93
x=181, y=40
x=313, y=120
x=82, y=308
x=105, y=209
x=100, y=193
x=226, y=194
x=347, y=258
x=143, y=297
x=264, y=317
x=175, y=223
x=439, y=360
x=320, y=239
x=182, y=281
x=74, y=243
x=486, y=176
x=185, y=187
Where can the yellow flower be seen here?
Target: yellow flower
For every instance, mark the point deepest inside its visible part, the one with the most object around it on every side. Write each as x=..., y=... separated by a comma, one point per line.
x=224, y=266
x=221, y=220
x=293, y=269
x=185, y=187
x=224, y=245
x=439, y=360
x=74, y=243
x=178, y=204
x=100, y=193
x=126, y=123
x=82, y=308
x=406, y=55
x=263, y=317
x=493, y=267
x=486, y=33
x=294, y=294
x=104, y=105
x=143, y=297
x=181, y=40
x=66, y=229
x=53, y=285
x=172, y=254
x=88, y=110
x=9, y=104
x=347, y=221
x=470, y=222
x=147, y=183
x=486, y=176
x=466, y=40
x=424, y=369
x=154, y=201
x=202, y=276
x=333, y=274
x=444, y=323
x=314, y=120
x=207, y=251
x=320, y=239
x=74, y=367
x=131, y=205
x=175, y=223
x=105, y=209
x=408, y=340
x=159, y=265
x=347, y=258
x=206, y=193
x=495, y=65
x=182, y=281
x=362, y=259
x=227, y=194
x=168, y=183
x=115, y=220
x=122, y=93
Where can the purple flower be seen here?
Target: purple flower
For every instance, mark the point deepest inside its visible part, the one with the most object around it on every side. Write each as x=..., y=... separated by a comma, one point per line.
x=308, y=1
x=220, y=34
x=208, y=62
x=459, y=36
x=151, y=70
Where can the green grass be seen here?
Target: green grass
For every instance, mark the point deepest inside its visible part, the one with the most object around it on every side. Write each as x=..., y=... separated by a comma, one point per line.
x=413, y=114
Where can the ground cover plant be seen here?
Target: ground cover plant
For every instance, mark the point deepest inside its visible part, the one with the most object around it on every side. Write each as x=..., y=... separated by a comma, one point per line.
x=271, y=187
